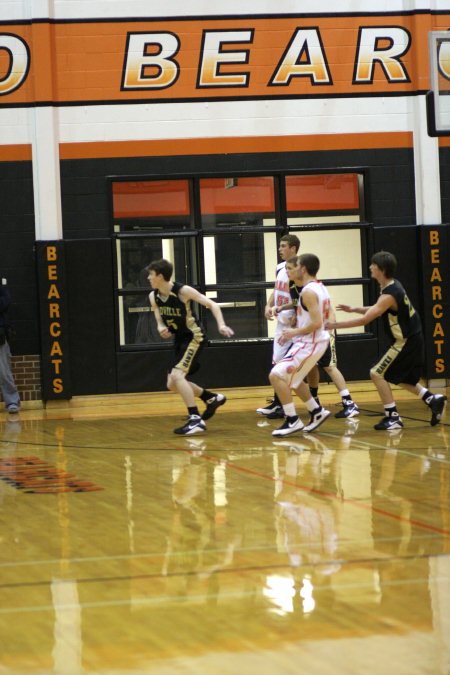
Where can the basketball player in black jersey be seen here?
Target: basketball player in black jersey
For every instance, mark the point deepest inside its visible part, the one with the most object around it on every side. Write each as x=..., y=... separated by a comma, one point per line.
x=172, y=304
x=402, y=363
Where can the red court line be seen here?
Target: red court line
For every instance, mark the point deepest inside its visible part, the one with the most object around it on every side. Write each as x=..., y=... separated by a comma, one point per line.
x=322, y=493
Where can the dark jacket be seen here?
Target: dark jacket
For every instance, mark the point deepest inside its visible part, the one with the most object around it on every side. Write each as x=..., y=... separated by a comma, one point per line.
x=5, y=301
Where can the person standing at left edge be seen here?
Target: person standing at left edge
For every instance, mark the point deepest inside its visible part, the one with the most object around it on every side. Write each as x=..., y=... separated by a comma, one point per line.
x=7, y=385
x=171, y=302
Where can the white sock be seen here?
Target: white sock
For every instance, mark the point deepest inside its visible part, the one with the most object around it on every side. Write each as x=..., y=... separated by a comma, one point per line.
x=311, y=404
x=420, y=390
x=289, y=410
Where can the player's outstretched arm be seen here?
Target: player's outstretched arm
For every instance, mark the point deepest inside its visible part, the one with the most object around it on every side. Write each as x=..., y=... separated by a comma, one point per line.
x=371, y=313
x=352, y=310
x=189, y=293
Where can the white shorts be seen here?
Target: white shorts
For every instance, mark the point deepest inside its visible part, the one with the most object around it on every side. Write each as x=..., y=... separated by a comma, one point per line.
x=299, y=360
x=279, y=351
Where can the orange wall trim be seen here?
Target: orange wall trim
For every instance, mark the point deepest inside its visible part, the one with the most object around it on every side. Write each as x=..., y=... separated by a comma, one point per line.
x=15, y=153
x=244, y=144
x=271, y=56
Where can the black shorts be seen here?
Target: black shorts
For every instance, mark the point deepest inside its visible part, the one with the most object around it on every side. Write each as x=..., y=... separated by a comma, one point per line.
x=187, y=352
x=403, y=361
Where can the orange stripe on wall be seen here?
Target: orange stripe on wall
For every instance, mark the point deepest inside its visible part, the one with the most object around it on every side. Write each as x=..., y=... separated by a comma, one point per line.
x=15, y=153
x=95, y=61
x=245, y=144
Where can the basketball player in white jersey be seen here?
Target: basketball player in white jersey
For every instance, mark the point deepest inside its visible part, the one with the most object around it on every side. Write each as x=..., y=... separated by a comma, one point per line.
x=289, y=246
x=309, y=342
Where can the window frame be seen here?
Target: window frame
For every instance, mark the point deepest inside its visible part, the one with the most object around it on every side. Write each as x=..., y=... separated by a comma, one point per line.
x=280, y=228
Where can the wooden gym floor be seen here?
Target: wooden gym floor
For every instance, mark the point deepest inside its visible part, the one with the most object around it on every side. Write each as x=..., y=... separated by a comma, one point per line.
x=125, y=549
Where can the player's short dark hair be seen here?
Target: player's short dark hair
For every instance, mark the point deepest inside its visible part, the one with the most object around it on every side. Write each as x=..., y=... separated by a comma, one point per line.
x=161, y=266
x=387, y=262
x=311, y=262
x=292, y=240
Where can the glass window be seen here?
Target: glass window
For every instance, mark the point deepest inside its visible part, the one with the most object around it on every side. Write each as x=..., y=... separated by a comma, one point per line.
x=322, y=192
x=237, y=202
x=161, y=204
x=243, y=310
x=236, y=257
x=137, y=325
x=318, y=201
x=222, y=235
x=339, y=251
x=340, y=255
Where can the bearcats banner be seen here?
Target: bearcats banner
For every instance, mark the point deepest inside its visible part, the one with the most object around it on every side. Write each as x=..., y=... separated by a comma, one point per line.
x=55, y=362
x=435, y=240
x=117, y=61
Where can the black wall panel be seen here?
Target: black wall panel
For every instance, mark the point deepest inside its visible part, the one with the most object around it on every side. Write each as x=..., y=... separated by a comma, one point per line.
x=237, y=365
x=404, y=243
x=234, y=365
x=86, y=214
x=355, y=356
x=142, y=371
x=90, y=284
x=17, y=263
x=97, y=366
x=389, y=177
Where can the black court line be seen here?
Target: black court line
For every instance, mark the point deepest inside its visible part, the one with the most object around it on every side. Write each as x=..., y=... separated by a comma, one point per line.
x=232, y=570
x=371, y=413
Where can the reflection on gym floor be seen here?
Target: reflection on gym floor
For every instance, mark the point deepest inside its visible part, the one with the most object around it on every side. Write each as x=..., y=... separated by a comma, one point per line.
x=126, y=549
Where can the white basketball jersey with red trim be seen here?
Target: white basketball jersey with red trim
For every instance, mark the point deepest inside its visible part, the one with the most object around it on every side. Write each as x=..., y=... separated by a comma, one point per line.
x=304, y=318
x=281, y=295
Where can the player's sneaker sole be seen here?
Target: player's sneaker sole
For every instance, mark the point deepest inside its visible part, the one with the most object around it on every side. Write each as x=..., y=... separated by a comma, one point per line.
x=194, y=425
x=348, y=411
x=288, y=428
x=389, y=424
x=437, y=406
x=268, y=409
x=316, y=420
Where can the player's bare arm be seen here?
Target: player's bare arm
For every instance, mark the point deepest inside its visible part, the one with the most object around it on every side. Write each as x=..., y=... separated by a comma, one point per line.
x=268, y=310
x=276, y=310
x=383, y=303
x=352, y=310
x=162, y=328
x=189, y=293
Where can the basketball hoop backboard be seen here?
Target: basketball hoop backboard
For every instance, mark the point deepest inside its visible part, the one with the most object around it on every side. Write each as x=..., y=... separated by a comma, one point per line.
x=438, y=98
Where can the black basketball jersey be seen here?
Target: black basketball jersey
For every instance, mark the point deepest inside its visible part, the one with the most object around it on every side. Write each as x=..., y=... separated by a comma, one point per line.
x=178, y=315
x=294, y=292
x=405, y=322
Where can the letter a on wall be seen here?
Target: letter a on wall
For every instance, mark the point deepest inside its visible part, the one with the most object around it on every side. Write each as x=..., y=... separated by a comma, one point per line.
x=55, y=362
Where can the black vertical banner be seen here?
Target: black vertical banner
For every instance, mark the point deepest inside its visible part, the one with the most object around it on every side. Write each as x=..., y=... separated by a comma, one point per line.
x=55, y=363
x=435, y=240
